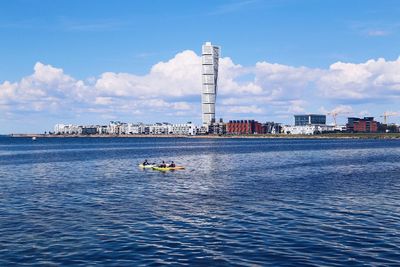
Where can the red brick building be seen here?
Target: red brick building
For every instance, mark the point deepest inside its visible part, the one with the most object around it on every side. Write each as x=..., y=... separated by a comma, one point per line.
x=243, y=127
x=366, y=125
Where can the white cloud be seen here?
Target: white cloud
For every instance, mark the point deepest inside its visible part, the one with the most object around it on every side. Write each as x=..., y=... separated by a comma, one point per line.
x=297, y=106
x=177, y=77
x=372, y=79
x=101, y=100
x=48, y=88
x=253, y=109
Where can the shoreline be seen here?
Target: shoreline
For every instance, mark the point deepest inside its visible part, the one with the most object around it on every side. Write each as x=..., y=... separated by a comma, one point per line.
x=264, y=136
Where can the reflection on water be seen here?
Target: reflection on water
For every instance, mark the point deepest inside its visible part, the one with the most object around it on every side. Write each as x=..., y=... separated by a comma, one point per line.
x=246, y=202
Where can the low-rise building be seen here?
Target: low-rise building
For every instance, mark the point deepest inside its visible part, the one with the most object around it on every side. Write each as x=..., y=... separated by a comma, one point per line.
x=307, y=129
x=271, y=128
x=69, y=129
x=184, y=129
x=120, y=128
x=202, y=130
x=133, y=128
x=102, y=129
x=59, y=128
x=308, y=124
x=217, y=128
x=160, y=128
x=88, y=130
x=114, y=127
x=243, y=127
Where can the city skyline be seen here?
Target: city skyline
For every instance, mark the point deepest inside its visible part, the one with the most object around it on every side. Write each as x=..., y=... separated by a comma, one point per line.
x=92, y=63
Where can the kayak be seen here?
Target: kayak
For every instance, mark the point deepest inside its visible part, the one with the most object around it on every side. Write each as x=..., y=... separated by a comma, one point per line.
x=146, y=166
x=168, y=168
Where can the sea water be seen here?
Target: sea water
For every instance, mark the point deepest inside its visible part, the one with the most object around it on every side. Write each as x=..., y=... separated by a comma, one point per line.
x=292, y=202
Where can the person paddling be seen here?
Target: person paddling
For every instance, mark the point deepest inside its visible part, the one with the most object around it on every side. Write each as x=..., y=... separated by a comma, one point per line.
x=145, y=162
x=172, y=165
x=163, y=165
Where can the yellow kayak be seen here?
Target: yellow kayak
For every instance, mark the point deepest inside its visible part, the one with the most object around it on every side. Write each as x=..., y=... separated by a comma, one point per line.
x=168, y=168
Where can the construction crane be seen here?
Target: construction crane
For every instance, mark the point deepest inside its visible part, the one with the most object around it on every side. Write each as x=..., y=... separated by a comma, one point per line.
x=388, y=114
x=334, y=115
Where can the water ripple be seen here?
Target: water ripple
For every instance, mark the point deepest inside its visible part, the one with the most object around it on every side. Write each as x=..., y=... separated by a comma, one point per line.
x=238, y=203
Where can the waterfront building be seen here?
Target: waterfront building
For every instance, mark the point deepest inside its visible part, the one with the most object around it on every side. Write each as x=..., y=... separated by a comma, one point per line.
x=309, y=129
x=243, y=127
x=365, y=125
x=67, y=129
x=133, y=128
x=271, y=128
x=309, y=119
x=210, y=58
x=59, y=128
x=184, y=129
x=114, y=127
x=102, y=129
x=119, y=128
x=217, y=128
x=202, y=130
x=122, y=128
x=308, y=124
x=87, y=130
x=74, y=129
x=160, y=128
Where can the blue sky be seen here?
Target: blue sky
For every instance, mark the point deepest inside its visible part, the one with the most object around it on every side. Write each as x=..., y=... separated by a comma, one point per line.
x=93, y=61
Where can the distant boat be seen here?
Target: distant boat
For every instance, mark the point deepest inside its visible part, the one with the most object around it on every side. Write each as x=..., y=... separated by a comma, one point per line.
x=34, y=138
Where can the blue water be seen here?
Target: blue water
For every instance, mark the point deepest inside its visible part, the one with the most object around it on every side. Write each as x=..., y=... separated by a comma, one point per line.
x=249, y=202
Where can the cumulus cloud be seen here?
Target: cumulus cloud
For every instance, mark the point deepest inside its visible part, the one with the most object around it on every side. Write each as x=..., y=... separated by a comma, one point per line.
x=174, y=78
x=370, y=80
x=297, y=106
x=173, y=88
x=48, y=88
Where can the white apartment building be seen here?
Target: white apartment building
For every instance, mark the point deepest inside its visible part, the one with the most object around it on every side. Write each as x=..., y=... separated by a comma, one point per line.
x=117, y=128
x=67, y=129
x=160, y=128
x=59, y=128
x=102, y=129
x=307, y=129
x=184, y=129
x=133, y=128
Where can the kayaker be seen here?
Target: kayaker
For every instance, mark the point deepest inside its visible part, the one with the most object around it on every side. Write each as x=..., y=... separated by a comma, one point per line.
x=145, y=162
x=163, y=165
x=172, y=165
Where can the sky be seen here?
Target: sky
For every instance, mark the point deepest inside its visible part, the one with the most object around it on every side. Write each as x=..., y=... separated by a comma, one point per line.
x=92, y=61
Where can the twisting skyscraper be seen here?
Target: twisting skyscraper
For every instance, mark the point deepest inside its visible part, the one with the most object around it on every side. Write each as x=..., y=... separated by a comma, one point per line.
x=210, y=56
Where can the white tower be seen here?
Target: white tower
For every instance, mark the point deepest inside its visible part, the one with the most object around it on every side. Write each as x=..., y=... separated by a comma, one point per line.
x=210, y=56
